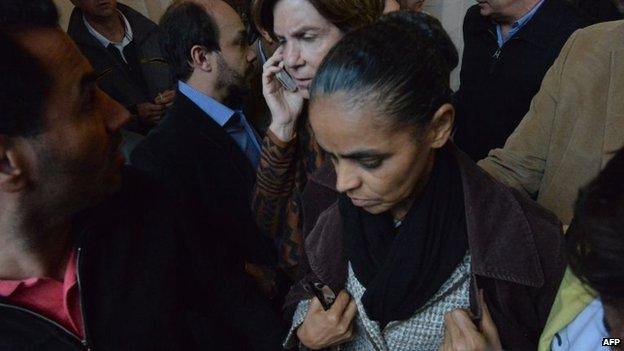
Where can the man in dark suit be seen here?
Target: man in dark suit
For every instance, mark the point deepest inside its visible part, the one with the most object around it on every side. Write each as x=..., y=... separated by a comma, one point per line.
x=508, y=47
x=205, y=151
x=123, y=47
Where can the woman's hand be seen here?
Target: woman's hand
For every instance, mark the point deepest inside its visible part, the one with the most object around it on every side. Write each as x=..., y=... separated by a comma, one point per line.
x=461, y=334
x=285, y=106
x=321, y=329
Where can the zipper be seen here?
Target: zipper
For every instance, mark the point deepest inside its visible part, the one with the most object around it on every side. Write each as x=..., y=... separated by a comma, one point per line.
x=34, y=314
x=86, y=343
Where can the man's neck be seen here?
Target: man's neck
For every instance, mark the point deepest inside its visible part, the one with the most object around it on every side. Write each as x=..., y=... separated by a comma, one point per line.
x=516, y=11
x=206, y=86
x=112, y=27
x=29, y=250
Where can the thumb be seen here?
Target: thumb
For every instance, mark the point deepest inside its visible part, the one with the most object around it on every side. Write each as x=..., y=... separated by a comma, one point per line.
x=488, y=327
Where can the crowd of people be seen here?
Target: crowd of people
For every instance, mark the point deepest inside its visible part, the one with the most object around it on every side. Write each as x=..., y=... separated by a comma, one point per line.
x=299, y=175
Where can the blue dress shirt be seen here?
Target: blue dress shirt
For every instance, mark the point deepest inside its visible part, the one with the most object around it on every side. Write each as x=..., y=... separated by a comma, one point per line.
x=516, y=26
x=233, y=121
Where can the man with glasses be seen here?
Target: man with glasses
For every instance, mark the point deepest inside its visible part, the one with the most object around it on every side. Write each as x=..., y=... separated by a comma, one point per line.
x=205, y=151
x=123, y=47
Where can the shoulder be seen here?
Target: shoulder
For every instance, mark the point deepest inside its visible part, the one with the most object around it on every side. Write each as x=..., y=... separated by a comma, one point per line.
x=473, y=17
x=571, y=18
x=607, y=35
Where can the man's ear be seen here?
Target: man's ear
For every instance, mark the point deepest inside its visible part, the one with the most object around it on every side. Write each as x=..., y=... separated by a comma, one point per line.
x=12, y=177
x=202, y=59
x=441, y=125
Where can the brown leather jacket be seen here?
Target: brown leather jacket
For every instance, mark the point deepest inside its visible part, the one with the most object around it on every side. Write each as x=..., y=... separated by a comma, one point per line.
x=515, y=246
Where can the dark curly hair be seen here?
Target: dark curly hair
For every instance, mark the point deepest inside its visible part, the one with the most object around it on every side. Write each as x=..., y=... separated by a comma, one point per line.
x=595, y=240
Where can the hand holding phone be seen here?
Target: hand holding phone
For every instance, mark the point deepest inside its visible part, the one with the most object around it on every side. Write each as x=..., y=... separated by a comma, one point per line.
x=322, y=292
x=285, y=105
x=325, y=328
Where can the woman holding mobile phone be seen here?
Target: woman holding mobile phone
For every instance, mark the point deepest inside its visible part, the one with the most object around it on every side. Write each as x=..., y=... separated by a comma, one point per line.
x=433, y=252
x=305, y=31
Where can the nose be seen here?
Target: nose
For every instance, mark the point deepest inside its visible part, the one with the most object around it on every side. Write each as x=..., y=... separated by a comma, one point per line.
x=347, y=178
x=292, y=55
x=116, y=116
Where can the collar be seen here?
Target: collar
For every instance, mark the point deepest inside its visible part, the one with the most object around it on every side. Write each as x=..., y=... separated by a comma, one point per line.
x=543, y=25
x=500, y=236
x=141, y=27
x=9, y=287
x=220, y=113
x=517, y=25
x=103, y=40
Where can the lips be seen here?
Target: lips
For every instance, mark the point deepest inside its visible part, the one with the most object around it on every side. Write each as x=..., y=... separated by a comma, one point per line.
x=303, y=83
x=362, y=202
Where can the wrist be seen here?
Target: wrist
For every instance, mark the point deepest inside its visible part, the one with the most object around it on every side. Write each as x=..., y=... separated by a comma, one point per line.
x=301, y=335
x=283, y=131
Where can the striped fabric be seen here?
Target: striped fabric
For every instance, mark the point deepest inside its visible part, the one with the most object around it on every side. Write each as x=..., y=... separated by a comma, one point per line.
x=282, y=174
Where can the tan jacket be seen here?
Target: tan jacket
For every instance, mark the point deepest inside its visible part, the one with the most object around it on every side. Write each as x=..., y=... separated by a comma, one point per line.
x=574, y=125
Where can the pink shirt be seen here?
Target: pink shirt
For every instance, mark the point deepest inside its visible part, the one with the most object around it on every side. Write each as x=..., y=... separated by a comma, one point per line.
x=56, y=300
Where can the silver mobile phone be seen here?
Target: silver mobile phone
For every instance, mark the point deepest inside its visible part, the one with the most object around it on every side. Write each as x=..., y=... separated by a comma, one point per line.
x=282, y=76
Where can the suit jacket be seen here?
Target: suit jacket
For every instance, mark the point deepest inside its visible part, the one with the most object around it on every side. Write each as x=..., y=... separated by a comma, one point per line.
x=203, y=167
x=497, y=85
x=574, y=125
x=114, y=79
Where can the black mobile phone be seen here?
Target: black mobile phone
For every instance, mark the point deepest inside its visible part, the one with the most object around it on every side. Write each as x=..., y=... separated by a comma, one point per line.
x=322, y=292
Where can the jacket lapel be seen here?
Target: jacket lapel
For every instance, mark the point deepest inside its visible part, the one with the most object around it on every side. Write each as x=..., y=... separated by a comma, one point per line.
x=496, y=221
x=215, y=137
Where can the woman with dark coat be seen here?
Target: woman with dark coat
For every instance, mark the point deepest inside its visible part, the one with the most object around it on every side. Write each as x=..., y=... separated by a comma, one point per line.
x=415, y=230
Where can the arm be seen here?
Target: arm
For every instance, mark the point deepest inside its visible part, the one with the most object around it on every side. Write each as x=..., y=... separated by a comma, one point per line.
x=522, y=161
x=275, y=184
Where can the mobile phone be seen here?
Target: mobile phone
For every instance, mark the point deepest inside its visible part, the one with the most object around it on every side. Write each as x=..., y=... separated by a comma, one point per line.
x=322, y=292
x=282, y=76
x=286, y=80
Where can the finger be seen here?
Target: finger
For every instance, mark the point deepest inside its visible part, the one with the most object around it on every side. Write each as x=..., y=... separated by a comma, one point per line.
x=349, y=312
x=463, y=321
x=341, y=302
x=270, y=71
x=446, y=342
x=157, y=108
x=487, y=324
x=273, y=60
x=315, y=305
x=453, y=330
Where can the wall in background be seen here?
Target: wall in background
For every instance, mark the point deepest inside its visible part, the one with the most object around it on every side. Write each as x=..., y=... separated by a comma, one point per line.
x=449, y=12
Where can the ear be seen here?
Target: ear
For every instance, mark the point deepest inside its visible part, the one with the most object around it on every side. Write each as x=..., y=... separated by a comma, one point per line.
x=12, y=178
x=441, y=125
x=202, y=59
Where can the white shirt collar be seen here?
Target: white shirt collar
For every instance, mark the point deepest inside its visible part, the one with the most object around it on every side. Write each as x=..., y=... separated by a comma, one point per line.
x=105, y=42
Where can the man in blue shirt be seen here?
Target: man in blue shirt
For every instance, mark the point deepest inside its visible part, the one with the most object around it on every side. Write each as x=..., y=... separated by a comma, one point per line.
x=205, y=151
x=508, y=47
